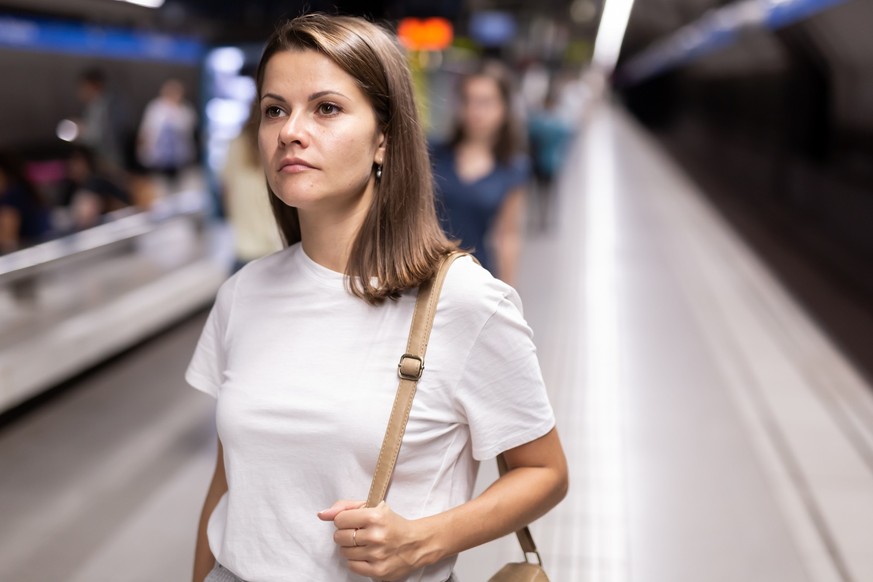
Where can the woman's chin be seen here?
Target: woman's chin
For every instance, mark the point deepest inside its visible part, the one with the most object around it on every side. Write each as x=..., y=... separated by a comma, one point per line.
x=297, y=199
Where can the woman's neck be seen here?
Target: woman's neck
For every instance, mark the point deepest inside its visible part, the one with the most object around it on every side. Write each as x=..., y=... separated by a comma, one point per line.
x=327, y=234
x=478, y=143
x=473, y=160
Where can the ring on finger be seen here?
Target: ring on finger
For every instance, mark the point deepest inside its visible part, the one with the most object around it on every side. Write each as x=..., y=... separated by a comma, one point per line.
x=354, y=536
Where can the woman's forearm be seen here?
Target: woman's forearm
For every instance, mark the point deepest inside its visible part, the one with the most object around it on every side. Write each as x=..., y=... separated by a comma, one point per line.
x=204, y=561
x=507, y=237
x=508, y=247
x=516, y=499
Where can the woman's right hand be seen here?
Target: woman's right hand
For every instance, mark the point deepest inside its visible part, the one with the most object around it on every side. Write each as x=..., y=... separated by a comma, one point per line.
x=377, y=542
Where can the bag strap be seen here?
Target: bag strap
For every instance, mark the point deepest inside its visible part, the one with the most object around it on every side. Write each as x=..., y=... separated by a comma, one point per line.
x=410, y=370
x=525, y=538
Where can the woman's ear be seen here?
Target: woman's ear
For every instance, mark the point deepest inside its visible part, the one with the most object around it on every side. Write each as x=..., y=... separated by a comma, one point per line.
x=379, y=156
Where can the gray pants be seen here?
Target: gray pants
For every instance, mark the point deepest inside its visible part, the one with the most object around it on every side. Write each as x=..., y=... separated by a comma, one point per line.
x=221, y=574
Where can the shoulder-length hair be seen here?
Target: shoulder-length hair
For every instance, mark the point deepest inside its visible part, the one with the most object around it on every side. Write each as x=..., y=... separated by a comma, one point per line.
x=400, y=243
x=509, y=141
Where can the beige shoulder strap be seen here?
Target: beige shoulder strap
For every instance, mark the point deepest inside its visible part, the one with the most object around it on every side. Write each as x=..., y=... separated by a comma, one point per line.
x=410, y=370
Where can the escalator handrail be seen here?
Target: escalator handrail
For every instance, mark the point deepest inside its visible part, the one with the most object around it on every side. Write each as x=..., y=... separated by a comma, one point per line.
x=120, y=228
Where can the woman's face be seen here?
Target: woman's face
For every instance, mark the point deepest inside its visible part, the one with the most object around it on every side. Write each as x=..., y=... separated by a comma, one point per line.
x=482, y=108
x=318, y=133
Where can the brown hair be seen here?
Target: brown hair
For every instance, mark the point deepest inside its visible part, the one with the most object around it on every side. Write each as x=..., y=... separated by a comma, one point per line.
x=509, y=138
x=400, y=242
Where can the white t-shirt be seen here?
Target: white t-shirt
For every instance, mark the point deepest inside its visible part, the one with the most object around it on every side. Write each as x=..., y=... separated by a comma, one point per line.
x=305, y=374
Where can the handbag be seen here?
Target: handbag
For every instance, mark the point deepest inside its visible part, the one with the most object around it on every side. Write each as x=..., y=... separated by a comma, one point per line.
x=410, y=370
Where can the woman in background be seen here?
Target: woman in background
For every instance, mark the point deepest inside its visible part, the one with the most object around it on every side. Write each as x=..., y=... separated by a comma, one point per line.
x=246, y=198
x=482, y=174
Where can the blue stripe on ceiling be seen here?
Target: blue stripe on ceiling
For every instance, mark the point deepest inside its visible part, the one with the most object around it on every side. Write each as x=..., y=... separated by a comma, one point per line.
x=84, y=39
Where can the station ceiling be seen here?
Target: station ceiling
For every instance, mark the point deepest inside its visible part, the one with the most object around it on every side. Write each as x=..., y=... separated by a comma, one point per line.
x=234, y=17
x=839, y=34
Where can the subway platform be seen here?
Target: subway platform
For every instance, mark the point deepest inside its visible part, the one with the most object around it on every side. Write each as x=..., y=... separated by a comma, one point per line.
x=713, y=431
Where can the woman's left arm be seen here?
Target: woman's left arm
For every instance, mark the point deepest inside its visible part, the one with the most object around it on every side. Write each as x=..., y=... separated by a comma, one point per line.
x=381, y=544
x=507, y=234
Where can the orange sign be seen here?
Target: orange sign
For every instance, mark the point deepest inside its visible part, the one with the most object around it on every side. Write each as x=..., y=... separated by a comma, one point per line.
x=430, y=34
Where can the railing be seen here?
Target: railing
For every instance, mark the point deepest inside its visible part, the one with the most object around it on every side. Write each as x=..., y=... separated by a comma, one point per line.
x=20, y=269
x=63, y=342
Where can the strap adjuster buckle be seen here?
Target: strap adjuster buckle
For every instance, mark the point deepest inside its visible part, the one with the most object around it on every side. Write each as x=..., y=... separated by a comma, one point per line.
x=410, y=367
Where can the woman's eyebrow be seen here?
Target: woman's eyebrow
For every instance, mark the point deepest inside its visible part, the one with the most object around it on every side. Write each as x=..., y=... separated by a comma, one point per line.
x=320, y=94
x=273, y=96
x=312, y=97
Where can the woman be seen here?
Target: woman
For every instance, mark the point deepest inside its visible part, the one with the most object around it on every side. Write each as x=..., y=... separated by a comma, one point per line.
x=301, y=347
x=481, y=173
x=246, y=199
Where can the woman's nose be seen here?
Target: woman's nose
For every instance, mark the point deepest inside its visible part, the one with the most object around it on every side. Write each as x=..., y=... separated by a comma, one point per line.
x=293, y=131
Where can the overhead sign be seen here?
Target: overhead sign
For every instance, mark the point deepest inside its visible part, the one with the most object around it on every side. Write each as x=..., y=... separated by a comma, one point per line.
x=429, y=34
x=492, y=27
x=78, y=38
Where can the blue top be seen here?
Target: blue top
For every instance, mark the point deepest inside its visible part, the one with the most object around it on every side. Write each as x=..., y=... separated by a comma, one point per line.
x=549, y=137
x=468, y=209
x=35, y=221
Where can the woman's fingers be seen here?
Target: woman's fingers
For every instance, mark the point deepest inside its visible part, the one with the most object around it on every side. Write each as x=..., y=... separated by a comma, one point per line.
x=349, y=538
x=370, y=570
x=373, y=540
x=337, y=508
x=361, y=517
x=360, y=554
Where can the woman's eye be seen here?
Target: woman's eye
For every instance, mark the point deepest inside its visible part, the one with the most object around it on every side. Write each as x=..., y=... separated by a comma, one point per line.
x=328, y=109
x=272, y=111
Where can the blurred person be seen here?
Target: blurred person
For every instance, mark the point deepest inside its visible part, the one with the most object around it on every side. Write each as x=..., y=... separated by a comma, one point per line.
x=104, y=125
x=88, y=193
x=24, y=218
x=535, y=82
x=300, y=348
x=165, y=142
x=549, y=135
x=482, y=173
x=246, y=197
x=577, y=94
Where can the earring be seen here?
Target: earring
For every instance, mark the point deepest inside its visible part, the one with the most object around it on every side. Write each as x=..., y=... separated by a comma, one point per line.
x=378, y=172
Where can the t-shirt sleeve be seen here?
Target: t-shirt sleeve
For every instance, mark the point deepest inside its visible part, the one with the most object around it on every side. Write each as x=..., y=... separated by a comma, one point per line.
x=207, y=367
x=501, y=391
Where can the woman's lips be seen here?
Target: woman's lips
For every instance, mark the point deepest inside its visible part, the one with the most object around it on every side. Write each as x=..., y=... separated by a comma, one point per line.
x=294, y=166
